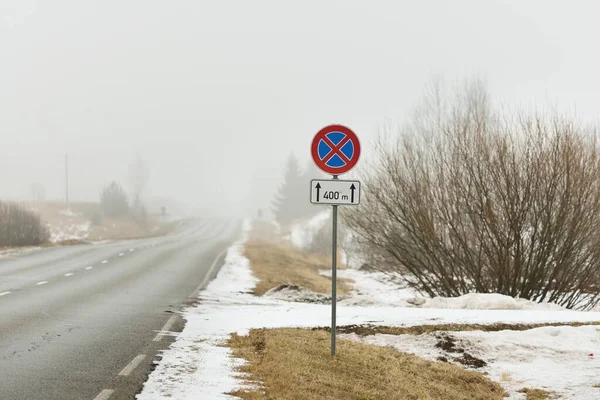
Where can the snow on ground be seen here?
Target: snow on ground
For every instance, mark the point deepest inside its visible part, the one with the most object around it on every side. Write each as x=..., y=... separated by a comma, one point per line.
x=378, y=288
x=67, y=213
x=564, y=359
x=197, y=366
x=375, y=289
x=69, y=228
x=302, y=234
x=13, y=252
x=69, y=232
x=488, y=301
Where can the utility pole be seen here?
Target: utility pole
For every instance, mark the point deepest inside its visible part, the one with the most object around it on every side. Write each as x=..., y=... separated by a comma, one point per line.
x=67, y=180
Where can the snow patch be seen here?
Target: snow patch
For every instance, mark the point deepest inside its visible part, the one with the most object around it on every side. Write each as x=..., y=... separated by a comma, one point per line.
x=18, y=251
x=560, y=359
x=302, y=234
x=196, y=366
x=68, y=213
x=487, y=301
x=375, y=289
x=69, y=232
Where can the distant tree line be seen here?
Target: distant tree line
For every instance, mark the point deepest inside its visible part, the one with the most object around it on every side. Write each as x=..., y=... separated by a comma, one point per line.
x=114, y=201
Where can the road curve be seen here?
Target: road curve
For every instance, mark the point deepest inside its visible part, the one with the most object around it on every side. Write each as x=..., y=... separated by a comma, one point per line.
x=84, y=322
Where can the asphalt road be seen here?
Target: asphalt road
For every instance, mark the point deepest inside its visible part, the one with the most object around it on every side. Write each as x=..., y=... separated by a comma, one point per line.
x=84, y=322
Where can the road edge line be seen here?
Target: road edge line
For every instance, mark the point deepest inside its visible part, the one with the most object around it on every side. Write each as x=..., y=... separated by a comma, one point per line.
x=104, y=395
x=165, y=328
x=210, y=271
x=132, y=365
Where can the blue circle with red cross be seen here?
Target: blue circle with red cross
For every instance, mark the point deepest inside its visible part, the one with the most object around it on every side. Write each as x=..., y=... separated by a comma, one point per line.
x=335, y=149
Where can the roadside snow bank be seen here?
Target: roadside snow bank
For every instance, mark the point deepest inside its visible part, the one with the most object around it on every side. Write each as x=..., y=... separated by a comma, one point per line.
x=487, y=301
x=381, y=289
x=302, y=234
x=375, y=289
x=560, y=359
x=69, y=232
x=197, y=366
x=14, y=252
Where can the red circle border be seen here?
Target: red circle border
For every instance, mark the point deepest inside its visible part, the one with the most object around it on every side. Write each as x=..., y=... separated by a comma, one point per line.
x=315, y=153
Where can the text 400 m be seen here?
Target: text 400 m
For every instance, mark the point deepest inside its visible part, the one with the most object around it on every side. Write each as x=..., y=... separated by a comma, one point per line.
x=332, y=195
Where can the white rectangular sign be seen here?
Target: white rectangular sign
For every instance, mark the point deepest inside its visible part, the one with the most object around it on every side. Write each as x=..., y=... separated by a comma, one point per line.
x=334, y=192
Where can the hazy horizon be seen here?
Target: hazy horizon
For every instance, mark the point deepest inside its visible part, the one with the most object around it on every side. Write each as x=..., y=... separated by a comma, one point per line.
x=214, y=96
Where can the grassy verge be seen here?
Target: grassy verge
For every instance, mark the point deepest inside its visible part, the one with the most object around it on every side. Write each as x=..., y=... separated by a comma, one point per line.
x=296, y=364
x=276, y=263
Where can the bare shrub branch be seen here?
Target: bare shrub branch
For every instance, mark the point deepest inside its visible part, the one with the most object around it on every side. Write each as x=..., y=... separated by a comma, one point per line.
x=20, y=227
x=467, y=199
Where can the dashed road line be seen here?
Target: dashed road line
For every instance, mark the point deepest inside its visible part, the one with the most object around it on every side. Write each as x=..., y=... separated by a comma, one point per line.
x=4, y=293
x=105, y=262
x=88, y=268
x=132, y=365
x=131, y=250
x=41, y=283
x=210, y=272
x=69, y=274
x=121, y=254
x=104, y=395
x=165, y=328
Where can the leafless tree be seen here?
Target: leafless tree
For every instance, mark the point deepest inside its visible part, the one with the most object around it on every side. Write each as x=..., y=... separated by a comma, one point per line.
x=138, y=179
x=469, y=199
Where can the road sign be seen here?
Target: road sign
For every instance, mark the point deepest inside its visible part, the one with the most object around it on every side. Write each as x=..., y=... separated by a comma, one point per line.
x=335, y=149
x=334, y=192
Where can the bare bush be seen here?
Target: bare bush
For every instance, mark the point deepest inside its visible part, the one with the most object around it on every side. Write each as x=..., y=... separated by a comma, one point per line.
x=467, y=199
x=20, y=227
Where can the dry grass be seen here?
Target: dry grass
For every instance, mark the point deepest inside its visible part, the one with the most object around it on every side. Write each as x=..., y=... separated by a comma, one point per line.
x=276, y=263
x=366, y=330
x=108, y=229
x=295, y=364
x=536, y=394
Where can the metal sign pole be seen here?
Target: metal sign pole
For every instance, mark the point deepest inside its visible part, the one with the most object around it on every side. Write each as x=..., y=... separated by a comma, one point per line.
x=335, y=150
x=334, y=277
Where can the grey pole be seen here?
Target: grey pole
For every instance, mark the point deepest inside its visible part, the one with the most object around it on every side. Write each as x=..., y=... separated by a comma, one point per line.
x=334, y=277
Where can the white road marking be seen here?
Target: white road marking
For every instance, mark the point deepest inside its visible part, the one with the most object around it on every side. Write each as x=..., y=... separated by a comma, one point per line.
x=88, y=268
x=69, y=274
x=41, y=283
x=165, y=328
x=131, y=250
x=210, y=272
x=105, y=262
x=104, y=395
x=132, y=365
x=4, y=293
x=121, y=254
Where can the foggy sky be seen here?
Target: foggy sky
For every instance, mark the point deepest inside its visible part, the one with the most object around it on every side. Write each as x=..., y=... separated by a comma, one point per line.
x=216, y=94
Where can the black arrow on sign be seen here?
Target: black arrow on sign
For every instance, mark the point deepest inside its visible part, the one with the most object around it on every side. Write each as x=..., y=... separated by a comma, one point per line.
x=318, y=187
x=352, y=189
